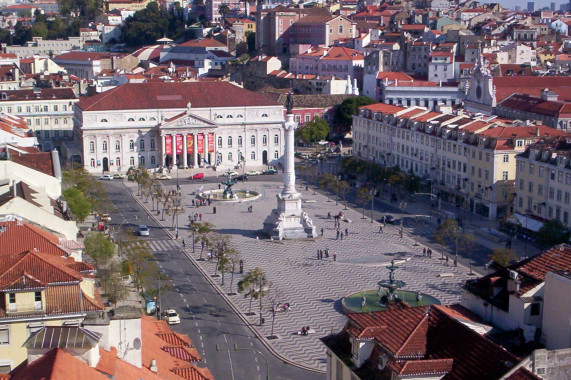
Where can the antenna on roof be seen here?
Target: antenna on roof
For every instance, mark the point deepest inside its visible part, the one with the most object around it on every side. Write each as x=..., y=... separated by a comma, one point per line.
x=427, y=310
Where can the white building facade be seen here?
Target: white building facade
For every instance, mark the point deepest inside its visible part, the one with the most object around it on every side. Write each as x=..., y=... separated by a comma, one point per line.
x=190, y=124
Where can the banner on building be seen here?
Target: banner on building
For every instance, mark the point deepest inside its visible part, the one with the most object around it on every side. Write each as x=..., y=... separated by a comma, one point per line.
x=190, y=143
x=168, y=144
x=178, y=144
x=200, y=143
x=211, y=142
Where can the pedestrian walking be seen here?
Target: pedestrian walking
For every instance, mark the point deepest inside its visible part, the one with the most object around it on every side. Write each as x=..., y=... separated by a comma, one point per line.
x=334, y=257
x=447, y=261
x=200, y=216
x=337, y=238
x=326, y=253
x=400, y=232
x=455, y=261
x=241, y=266
x=341, y=235
x=318, y=254
x=381, y=228
x=424, y=252
x=321, y=231
x=429, y=252
x=183, y=244
x=218, y=186
x=346, y=232
x=193, y=202
x=214, y=210
x=329, y=215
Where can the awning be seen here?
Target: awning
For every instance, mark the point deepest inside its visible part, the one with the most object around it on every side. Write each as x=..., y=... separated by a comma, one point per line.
x=526, y=222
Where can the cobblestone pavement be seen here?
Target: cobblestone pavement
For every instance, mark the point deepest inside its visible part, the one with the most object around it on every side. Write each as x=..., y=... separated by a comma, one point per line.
x=314, y=288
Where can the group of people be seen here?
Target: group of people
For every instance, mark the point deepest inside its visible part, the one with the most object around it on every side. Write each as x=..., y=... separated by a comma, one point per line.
x=201, y=202
x=305, y=330
x=195, y=218
x=321, y=253
x=426, y=252
x=250, y=208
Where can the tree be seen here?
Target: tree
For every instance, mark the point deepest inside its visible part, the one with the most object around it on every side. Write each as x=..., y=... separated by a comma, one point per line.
x=139, y=175
x=446, y=231
x=78, y=204
x=138, y=254
x=503, y=256
x=100, y=248
x=553, y=232
x=204, y=237
x=348, y=108
x=113, y=285
x=233, y=257
x=274, y=297
x=223, y=9
x=251, y=41
x=254, y=285
x=313, y=131
x=343, y=188
x=467, y=244
x=327, y=182
x=364, y=196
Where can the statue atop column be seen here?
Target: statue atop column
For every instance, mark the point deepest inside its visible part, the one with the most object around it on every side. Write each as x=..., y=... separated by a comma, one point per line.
x=289, y=103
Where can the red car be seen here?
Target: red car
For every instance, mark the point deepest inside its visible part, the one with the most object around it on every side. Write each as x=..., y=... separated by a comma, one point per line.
x=197, y=176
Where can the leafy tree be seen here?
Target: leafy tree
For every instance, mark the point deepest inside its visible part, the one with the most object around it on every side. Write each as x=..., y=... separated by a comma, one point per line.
x=553, y=232
x=79, y=205
x=254, y=285
x=467, y=244
x=446, y=231
x=152, y=23
x=100, y=248
x=139, y=175
x=343, y=188
x=364, y=196
x=198, y=229
x=313, y=131
x=251, y=41
x=223, y=9
x=503, y=256
x=348, y=108
x=411, y=183
x=138, y=255
x=327, y=182
x=113, y=285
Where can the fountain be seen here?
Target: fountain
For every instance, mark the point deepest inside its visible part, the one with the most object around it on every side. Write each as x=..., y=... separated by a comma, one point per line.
x=229, y=194
x=389, y=292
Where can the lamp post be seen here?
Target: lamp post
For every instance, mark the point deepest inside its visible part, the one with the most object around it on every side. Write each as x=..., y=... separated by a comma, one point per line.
x=236, y=348
x=458, y=229
x=402, y=206
x=416, y=230
x=372, y=192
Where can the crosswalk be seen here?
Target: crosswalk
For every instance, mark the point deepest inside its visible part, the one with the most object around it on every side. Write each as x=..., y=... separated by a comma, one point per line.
x=163, y=245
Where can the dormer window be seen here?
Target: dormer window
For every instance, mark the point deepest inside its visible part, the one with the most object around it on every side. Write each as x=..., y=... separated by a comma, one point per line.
x=131, y=119
x=264, y=115
x=229, y=117
x=104, y=120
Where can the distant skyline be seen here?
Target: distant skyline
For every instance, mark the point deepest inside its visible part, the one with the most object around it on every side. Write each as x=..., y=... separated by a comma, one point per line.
x=523, y=4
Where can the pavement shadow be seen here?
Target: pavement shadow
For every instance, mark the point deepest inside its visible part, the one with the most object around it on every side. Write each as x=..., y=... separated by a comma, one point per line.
x=236, y=231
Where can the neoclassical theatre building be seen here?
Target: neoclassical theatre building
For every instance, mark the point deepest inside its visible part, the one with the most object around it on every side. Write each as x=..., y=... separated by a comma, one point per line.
x=190, y=124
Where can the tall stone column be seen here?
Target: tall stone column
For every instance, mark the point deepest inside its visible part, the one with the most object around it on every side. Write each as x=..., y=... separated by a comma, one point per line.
x=184, y=153
x=164, y=150
x=173, y=151
x=289, y=167
x=195, y=150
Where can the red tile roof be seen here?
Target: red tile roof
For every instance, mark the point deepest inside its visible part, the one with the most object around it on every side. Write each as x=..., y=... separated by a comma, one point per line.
x=556, y=258
x=81, y=56
x=382, y=107
x=20, y=236
x=426, y=340
x=131, y=96
x=392, y=75
x=43, y=94
x=536, y=105
x=203, y=42
x=41, y=161
x=523, y=374
x=532, y=85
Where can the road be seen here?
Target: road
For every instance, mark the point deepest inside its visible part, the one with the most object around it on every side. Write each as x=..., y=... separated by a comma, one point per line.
x=205, y=316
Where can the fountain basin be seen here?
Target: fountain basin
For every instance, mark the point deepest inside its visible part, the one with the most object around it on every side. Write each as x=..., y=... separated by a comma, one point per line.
x=241, y=196
x=352, y=302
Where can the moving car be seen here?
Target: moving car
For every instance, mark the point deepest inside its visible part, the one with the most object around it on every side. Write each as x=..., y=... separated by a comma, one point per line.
x=171, y=316
x=163, y=176
x=389, y=219
x=105, y=217
x=242, y=177
x=323, y=142
x=271, y=171
x=197, y=176
x=253, y=172
x=106, y=177
x=118, y=176
x=143, y=230
x=232, y=174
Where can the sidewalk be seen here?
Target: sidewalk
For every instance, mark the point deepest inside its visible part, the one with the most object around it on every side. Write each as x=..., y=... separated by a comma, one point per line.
x=314, y=288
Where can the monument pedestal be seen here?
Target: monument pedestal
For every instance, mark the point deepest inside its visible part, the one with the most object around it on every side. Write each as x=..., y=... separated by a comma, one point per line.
x=289, y=221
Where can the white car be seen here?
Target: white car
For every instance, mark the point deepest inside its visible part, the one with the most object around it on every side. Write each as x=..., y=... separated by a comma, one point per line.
x=171, y=316
x=143, y=230
x=106, y=177
x=253, y=172
x=164, y=176
x=118, y=176
x=323, y=142
x=232, y=174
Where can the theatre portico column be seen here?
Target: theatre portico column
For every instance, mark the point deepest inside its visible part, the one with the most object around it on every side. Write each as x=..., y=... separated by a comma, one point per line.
x=184, y=153
x=163, y=150
x=195, y=150
x=173, y=150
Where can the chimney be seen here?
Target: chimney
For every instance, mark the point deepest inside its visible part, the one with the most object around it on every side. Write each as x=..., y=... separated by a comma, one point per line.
x=153, y=366
x=549, y=95
x=537, y=131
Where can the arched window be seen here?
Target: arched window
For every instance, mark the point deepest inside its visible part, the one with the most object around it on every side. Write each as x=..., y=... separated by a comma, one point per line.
x=229, y=141
x=218, y=158
x=229, y=117
x=141, y=119
x=141, y=160
x=252, y=140
x=219, y=142
x=91, y=147
x=240, y=157
x=153, y=160
x=219, y=116
x=264, y=115
x=142, y=144
x=229, y=156
x=152, y=144
x=104, y=120
x=240, y=116
x=276, y=154
x=131, y=119
x=253, y=155
x=117, y=146
x=152, y=119
x=104, y=146
x=118, y=161
x=239, y=140
x=276, y=139
x=265, y=140
x=132, y=161
x=131, y=145
x=92, y=162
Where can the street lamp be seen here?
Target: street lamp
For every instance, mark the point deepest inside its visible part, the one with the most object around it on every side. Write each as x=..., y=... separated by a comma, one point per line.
x=372, y=193
x=402, y=206
x=457, y=230
x=236, y=348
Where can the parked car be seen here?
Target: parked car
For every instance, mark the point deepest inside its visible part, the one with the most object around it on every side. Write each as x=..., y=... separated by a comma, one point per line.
x=232, y=174
x=197, y=176
x=389, y=219
x=164, y=176
x=253, y=172
x=143, y=230
x=242, y=177
x=118, y=176
x=271, y=171
x=323, y=142
x=106, y=177
x=171, y=316
x=105, y=217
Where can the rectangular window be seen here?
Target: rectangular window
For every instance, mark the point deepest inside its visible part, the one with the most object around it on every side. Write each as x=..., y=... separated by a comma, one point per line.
x=541, y=170
x=4, y=335
x=506, y=158
x=535, y=308
x=539, y=189
x=505, y=175
x=551, y=193
x=530, y=187
x=531, y=168
x=521, y=184
x=559, y=195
